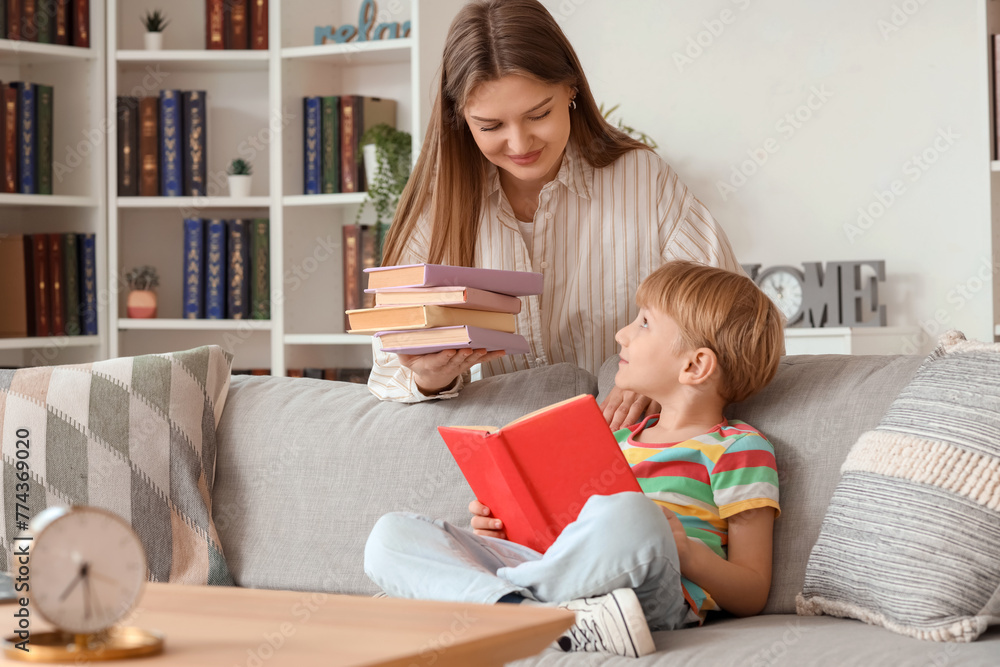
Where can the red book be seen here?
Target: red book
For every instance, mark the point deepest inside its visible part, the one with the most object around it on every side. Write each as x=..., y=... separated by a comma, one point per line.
x=62, y=34
x=37, y=254
x=513, y=283
x=56, y=288
x=258, y=24
x=238, y=28
x=13, y=19
x=29, y=27
x=536, y=473
x=350, y=135
x=10, y=161
x=81, y=23
x=352, y=270
x=215, y=24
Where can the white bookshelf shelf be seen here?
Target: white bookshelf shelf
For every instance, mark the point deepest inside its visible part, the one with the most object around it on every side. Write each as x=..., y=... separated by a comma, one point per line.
x=47, y=200
x=340, y=199
x=354, y=53
x=35, y=53
x=167, y=324
x=48, y=341
x=196, y=60
x=193, y=202
x=327, y=339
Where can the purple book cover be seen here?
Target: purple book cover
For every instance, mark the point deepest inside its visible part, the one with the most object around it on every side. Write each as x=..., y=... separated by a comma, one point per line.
x=514, y=283
x=477, y=337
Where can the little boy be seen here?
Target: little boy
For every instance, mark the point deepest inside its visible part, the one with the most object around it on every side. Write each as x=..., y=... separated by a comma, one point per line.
x=699, y=537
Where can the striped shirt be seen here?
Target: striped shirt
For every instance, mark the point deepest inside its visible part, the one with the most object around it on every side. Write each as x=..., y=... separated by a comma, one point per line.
x=596, y=235
x=704, y=481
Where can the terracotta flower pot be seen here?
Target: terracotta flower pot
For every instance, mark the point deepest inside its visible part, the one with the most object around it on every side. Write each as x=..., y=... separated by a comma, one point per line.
x=141, y=304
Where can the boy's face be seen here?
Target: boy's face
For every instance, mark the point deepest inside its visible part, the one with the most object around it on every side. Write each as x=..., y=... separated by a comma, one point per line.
x=652, y=354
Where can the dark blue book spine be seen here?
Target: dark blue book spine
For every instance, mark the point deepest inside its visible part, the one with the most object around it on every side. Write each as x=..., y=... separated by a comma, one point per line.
x=239, y=269
x=171, y=165
x=215, y=270
x=194, y=143
x=194, y=268
x=313, y=157
x=88, y=283
x=27, y=139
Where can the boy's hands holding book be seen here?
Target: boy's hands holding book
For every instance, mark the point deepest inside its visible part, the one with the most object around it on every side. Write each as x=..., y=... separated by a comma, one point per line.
x=484, y=523
x=436, y=372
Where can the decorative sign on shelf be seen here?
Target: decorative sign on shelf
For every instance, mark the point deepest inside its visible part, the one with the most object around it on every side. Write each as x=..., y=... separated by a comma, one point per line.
x=366, y=30
x=844, y=294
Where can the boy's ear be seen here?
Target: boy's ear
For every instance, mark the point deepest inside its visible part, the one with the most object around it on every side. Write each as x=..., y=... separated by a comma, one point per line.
x=701, y=365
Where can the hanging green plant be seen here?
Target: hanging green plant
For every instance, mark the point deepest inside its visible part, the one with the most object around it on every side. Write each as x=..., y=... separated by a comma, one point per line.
x=392, y=152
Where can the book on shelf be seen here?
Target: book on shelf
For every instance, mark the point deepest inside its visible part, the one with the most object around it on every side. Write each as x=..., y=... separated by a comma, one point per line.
x=428, y=341
x=8, y=139
x=37, y=272
x=351, y=281
x=128, y=145
x=63, y=33
x=258, y=24
x=194, y=136
x=13, y=277
x=260, y=267
x=194, y=269
x=29, y=30
x=57, y=284
x=171, y=159
x=237, y=24
x=464, y=297
x=512, y=283
x=13, y=15
x=27, y=141
x=81, y=23
x=371, y=320
x=71, y=279
x=87, y=249
x=149, y=146
x=45, y=19
x=357, y=115
x=215, y=269
x=239, y=269
x=43, y=121
x=330, y=144
x=536, y=473
x=312, y=166
x=215, y=24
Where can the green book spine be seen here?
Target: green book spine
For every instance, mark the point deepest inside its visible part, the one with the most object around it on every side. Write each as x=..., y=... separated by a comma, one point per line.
x=260, y=266
x=45, y=19
x=71, y=277
x=330, y=135
x=44, y=124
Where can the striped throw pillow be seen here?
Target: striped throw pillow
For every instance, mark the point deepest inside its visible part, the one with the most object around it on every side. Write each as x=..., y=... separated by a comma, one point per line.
x=910, y=539
x=135, y=436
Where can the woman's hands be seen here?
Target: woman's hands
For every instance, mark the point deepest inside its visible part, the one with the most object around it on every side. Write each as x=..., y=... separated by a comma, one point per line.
x=484, y=523
x=436, y=372
x=623, y=407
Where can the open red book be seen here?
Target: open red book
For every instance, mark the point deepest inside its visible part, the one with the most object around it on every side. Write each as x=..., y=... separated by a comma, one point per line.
x=536, y=472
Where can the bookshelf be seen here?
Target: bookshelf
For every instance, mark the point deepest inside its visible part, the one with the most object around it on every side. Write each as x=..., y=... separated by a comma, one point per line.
x=254, y=98
x=991, y=14
x=78, y=203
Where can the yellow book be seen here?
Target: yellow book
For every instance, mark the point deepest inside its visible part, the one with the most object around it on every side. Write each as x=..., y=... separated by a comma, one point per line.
x=394, y=318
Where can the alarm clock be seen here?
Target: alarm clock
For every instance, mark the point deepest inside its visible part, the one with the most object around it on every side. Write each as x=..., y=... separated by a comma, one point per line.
x=783, y=285
x=87, y=571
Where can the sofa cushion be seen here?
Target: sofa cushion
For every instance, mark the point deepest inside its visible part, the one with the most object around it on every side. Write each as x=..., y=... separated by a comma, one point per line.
x=910, y=538
x=812, y=412
x=306, y=467
x=135, y=436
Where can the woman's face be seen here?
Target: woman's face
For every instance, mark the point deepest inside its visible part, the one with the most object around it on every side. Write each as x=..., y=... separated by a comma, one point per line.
x=521, y=125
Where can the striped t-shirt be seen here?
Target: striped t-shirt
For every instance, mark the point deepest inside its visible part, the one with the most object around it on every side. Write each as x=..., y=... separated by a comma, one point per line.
x=704, y=481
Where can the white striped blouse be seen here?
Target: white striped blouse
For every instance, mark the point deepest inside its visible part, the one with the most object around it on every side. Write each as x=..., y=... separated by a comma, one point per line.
x=596, y=235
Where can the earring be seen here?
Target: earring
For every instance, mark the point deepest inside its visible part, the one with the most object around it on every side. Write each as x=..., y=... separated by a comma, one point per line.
x=572, y=103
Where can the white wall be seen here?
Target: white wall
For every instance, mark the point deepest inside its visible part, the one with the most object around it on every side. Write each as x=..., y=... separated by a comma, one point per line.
x=891, y=95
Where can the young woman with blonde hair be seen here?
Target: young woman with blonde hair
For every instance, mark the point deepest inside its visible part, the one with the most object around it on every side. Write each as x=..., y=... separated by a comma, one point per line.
x=520, y=171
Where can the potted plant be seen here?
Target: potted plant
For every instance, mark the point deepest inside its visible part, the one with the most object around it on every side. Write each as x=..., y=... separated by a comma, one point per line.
x=386, y=153
x=239, y=171
x=154, y=21
x=141, y=302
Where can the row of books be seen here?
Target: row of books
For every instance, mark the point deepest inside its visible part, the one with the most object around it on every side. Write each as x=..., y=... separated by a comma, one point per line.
x=334, y=125
x=49, y=285
x=227, y=269
x=360, y=251
x=46, y=21
x=426, y=308
x=236, y=24
x=26, y=138
x=356, y=375
x=162, y=144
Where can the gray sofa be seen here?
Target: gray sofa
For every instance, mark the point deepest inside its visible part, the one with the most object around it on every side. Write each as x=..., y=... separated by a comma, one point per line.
x=305, y=467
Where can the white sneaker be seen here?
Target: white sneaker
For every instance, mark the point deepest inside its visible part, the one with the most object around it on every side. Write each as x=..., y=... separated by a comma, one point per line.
x=612, y=623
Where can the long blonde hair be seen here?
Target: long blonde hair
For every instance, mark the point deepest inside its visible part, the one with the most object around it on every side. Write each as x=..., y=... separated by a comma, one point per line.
x=489, y=39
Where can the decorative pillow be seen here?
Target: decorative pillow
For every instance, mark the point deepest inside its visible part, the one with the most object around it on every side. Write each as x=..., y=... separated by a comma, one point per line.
x=135, y=436
x=910, y=539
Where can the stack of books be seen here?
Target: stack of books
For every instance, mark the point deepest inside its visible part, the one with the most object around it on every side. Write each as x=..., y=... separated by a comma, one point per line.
x=65, y=22
x=426, y=308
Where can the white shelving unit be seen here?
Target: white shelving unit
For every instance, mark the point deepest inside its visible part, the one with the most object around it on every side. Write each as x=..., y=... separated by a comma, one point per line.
x=78, y=204
x=254, y=109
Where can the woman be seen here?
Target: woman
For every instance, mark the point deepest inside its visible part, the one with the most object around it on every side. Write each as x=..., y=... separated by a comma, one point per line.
x=520, y=171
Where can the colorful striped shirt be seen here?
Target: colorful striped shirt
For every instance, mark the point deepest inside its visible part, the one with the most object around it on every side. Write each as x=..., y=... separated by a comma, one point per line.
x=704, y=481
x=596, y=235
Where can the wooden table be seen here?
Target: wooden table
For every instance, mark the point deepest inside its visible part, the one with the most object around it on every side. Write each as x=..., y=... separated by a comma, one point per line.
x=219, y=626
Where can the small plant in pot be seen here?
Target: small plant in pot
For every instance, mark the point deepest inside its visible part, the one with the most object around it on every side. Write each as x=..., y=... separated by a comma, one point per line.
x=240, y=172
x=141, y=302
x=154, y=21
x=387, y=168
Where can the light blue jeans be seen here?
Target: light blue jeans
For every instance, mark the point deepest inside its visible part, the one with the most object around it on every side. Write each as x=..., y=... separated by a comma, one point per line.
x=618, y=541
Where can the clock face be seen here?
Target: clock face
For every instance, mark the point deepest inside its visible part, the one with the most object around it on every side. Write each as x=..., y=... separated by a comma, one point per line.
x=783, y=285
x=88, y=569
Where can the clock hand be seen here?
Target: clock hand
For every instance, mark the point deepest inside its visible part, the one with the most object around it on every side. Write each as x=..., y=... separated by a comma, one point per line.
x=72, y=585
x=86, y=591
